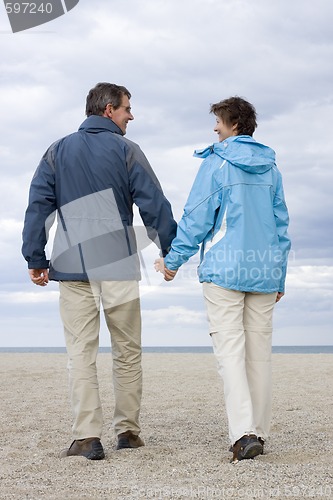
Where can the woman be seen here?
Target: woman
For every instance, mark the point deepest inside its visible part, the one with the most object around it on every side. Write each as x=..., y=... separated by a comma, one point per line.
x=237, y=213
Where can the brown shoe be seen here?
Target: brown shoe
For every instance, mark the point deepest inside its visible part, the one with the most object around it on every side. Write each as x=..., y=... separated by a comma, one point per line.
x=129, y=440
x=246, y=447
x=90, y=448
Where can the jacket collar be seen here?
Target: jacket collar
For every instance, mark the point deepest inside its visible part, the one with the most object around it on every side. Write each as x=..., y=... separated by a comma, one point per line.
x=221, y=146
x=95, y=123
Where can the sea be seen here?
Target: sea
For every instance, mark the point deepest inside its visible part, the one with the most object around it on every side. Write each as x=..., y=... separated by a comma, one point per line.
x=293, y=349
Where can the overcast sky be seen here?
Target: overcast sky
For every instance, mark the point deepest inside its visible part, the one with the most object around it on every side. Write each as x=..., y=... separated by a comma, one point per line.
x=176, y=57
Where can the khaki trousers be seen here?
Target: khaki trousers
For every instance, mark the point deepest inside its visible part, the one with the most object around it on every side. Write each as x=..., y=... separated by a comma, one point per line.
x=241, y=332
x=80, y=313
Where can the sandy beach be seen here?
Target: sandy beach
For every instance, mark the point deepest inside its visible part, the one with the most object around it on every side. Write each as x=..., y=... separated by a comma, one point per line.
x=184, y=428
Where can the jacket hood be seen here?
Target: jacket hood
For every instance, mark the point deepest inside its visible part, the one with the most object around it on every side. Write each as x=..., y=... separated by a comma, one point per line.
x=243, y=152
x=95, y=123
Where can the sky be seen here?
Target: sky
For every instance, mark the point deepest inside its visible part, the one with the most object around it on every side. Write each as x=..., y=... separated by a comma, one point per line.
x=176, y=57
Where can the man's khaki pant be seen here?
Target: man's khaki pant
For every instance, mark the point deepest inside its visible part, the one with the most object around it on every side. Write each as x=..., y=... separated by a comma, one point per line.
x=80, y=313
x=241, y=332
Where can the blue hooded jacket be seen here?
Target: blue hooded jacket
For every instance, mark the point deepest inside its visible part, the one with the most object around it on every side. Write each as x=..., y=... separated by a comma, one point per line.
x=90, y=180
x=236, y=210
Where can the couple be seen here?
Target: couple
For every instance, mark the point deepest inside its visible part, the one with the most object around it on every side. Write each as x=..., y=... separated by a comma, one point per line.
x=235, y=213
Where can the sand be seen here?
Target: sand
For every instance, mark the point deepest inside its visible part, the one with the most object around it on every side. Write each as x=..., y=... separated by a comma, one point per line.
x=183, y=424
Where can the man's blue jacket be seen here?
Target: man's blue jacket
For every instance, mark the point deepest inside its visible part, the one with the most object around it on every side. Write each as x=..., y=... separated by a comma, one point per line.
x=90, y=181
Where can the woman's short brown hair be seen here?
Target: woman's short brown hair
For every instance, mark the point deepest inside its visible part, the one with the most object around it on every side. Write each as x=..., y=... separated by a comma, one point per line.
x=235, y=110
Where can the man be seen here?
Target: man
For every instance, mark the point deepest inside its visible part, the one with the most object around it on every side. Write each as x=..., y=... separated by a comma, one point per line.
x=236, y=210
x=90, y=180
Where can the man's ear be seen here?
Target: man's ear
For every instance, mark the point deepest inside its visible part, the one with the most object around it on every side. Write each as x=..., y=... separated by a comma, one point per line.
x=108, y=111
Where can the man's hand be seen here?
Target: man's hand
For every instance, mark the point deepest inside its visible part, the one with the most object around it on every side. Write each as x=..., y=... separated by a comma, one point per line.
x=159, y=265
x=279, y=296
x=39, y=276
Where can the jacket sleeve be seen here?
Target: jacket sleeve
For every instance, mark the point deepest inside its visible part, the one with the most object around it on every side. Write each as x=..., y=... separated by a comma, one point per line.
x=198, y=218
x=282, y=222
x=39, y=216
x=155, y=210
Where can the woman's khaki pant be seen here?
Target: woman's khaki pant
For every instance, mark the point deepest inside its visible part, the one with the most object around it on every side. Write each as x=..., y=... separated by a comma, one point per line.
x=80, y=313
x=241, y=332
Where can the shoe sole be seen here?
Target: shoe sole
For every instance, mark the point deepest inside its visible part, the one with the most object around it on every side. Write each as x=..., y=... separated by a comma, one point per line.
x=97, y=452
x=95, y=456
x=251, y=450
x=125, y=444
x=122, y=447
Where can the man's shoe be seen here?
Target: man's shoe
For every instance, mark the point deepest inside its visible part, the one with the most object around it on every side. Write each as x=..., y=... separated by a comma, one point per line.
x=90, y=448
x=129, y=440
x=246, y=447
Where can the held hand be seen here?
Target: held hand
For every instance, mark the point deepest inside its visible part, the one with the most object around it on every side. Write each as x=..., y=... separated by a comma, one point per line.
x=279, y=296
x=169, y=275
x=39, y=276
x=159, y=265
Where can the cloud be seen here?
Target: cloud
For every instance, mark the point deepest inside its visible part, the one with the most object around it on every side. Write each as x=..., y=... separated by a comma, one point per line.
x=29, y=297
x=176, y=58
x=311, y=277
x=174, y=316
